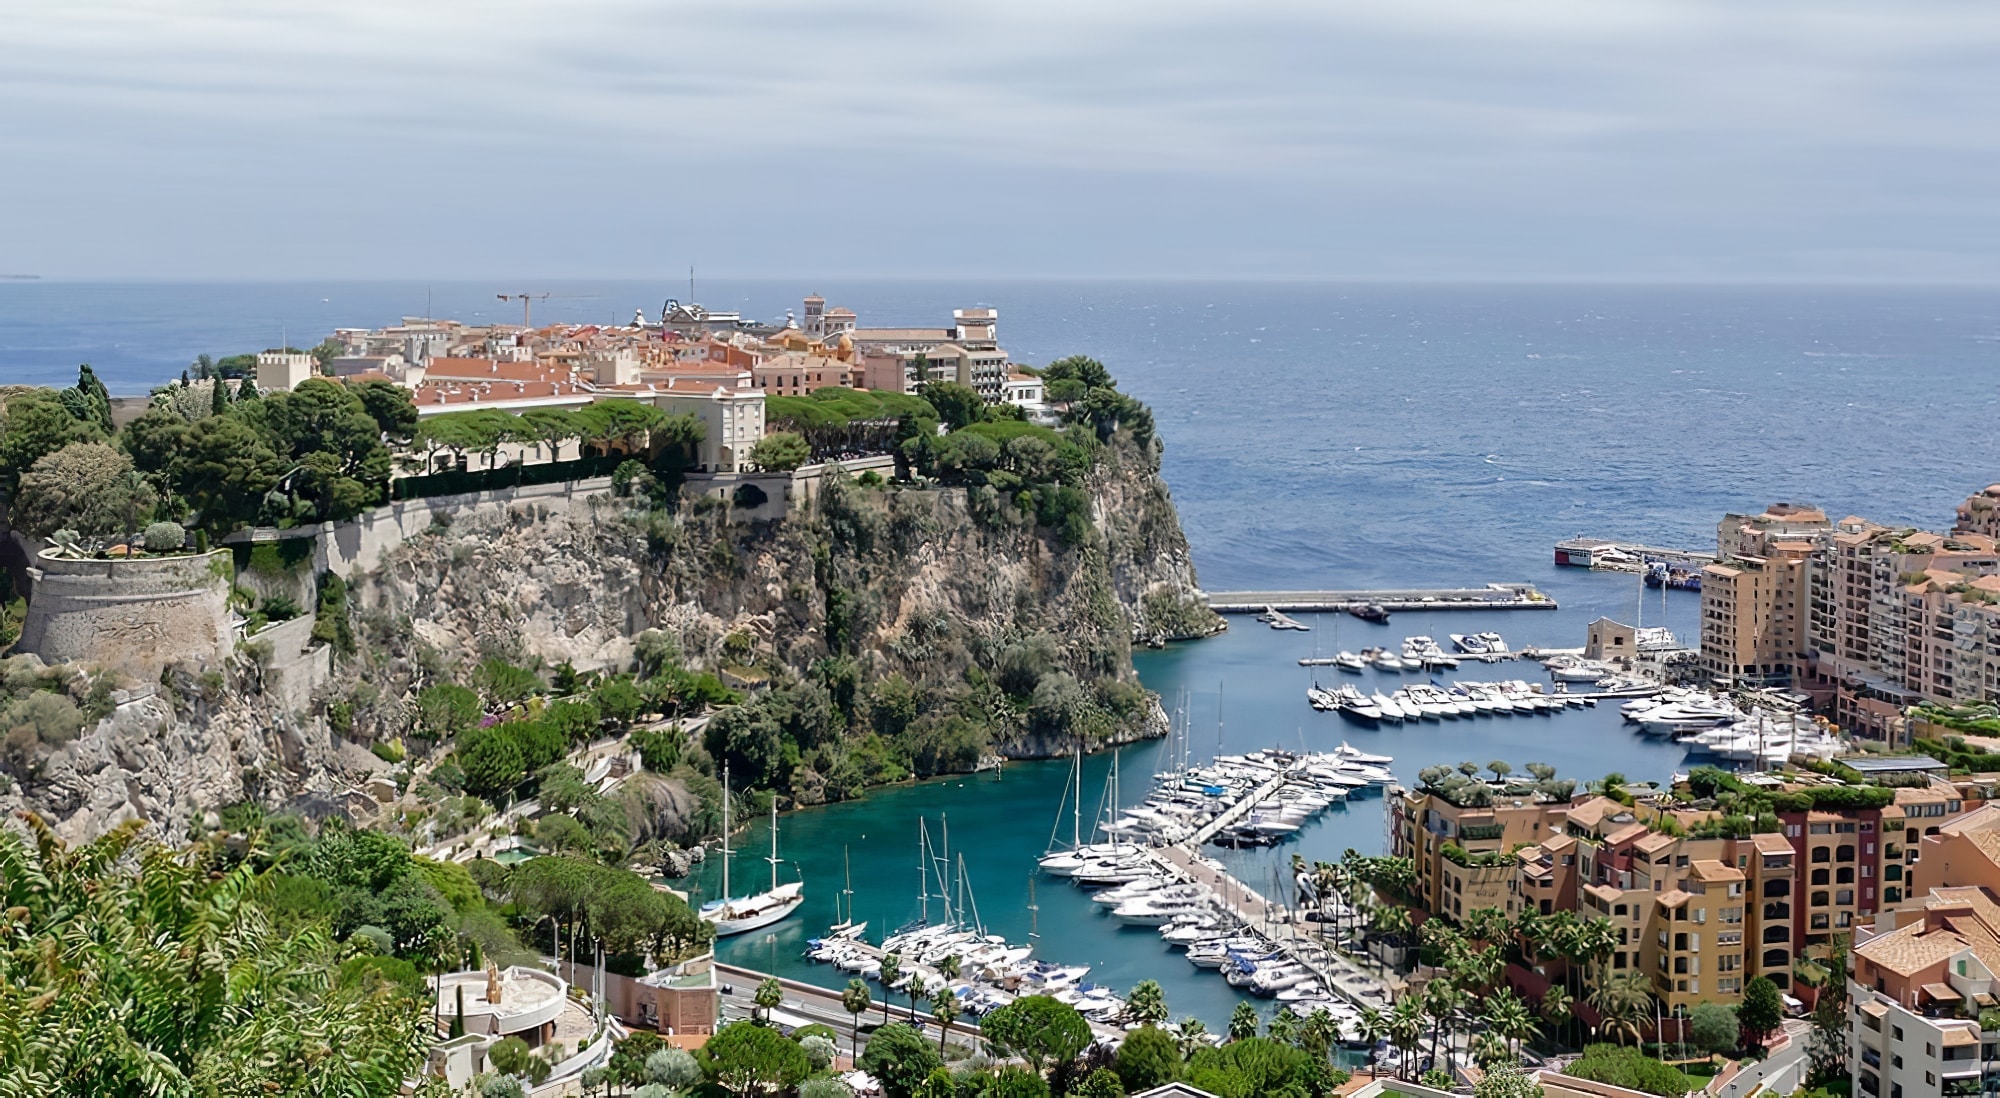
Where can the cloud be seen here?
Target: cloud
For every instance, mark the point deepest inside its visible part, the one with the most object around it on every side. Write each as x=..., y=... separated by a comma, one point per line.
x=1422, y=138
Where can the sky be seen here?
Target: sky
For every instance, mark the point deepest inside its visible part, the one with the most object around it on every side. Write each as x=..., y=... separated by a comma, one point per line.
x=1535, y=140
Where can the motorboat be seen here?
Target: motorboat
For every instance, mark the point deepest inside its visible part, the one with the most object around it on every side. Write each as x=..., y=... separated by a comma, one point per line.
x=1479, y=644
x=1391, y=709
x=1385, y=660
x=1348, y=661
x=1320, y=699
x=1369, y=611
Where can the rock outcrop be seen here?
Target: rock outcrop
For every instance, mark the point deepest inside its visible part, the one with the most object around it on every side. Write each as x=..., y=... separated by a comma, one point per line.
x=939, y=586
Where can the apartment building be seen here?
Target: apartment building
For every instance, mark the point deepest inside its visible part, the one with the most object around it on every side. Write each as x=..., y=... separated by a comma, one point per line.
x=1899, y=618
x=1980, y=513
x=1922, y=996
x=1699, y=915
x=1867, y=619
x=1753, y=599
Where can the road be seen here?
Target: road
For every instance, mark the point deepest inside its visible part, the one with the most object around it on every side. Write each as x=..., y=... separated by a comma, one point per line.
x=817, y=1004
x=1783, y=1070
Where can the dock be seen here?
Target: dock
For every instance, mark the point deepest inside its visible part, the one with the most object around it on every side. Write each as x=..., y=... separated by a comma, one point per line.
x=1493, y=596
x=1583, y=552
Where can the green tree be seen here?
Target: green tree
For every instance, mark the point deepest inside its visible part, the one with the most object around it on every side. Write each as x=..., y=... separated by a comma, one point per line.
x=1762, y=1010
x=1713, y=1028
x=1250, y=1068
x=223, y=471
x=1149, y=1057
x=945, y=1010
x=780, y=452
x=87, y=487
x=957, y=405
x=1628, y=1068
x=769, y=995
x=1147, y=1005
x=857, y=1001
x=1102, y=1083
x=891, y=971
x=390, y=406
x=938, y=1084
x=1506, y=1081
x=1243, y=1022
x=1038, y=1029
x=132, y=968
x=36, y=425
x=752, y=1059
x=900, y=1058
x=445, y=710
x=491, y=759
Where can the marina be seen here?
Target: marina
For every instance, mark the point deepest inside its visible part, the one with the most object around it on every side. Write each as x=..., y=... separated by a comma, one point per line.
x=1000, y=822
x=1144, y=869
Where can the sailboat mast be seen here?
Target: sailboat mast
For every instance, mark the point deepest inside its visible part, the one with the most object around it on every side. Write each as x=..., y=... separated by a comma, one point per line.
x=725, y=831
x=847, y=865
x=774, y=845
x=1033, y=911
x=923, y=869
x=1076, y=807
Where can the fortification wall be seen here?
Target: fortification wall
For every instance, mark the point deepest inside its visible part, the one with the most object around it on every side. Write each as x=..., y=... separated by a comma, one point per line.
x=358, y=546
x=137, y=615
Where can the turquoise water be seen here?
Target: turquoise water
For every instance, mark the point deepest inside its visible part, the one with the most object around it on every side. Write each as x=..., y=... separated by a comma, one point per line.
x=1000, y=824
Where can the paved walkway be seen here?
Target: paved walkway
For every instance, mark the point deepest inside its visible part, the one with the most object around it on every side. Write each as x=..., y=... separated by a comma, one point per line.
x=1783, y=1071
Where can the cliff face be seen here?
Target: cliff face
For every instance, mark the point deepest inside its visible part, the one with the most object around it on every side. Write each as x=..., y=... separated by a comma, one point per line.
x=953, y=590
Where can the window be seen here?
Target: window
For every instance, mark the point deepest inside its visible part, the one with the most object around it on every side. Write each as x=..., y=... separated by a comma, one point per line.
x=1819, y=877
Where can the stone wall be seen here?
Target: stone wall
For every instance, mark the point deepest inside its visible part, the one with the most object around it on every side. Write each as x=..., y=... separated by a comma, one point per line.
x=136, y=616
x=294, y=666
x=358, y=546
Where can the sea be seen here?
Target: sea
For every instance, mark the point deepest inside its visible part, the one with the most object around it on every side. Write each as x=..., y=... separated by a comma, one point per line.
x=1318, y=435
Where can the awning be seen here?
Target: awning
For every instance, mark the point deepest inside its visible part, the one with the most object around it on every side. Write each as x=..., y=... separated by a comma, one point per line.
x=1960, y=1035
x=1944, y=993
x=1875, y=1008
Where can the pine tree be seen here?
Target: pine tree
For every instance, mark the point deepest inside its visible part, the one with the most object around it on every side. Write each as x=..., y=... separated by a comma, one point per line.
x=218, y=398
x=458, y=1015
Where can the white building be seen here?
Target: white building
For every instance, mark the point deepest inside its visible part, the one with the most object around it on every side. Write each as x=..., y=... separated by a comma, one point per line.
x=280, y=372
x=732, y=420
x=1921, y=994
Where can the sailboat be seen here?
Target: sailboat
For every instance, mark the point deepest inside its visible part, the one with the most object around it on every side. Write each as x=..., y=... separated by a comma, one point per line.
x=739, y=914
x=847, y=927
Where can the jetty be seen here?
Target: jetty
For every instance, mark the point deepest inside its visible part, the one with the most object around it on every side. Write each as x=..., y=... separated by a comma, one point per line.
x=1583, y=552
x=1493, y=596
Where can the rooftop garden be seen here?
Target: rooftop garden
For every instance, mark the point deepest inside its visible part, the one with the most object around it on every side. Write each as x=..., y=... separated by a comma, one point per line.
x=1463, y=786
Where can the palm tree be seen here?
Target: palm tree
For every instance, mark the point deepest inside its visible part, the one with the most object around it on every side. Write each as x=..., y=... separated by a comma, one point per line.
x=1489, y=1049
x=892, y=967
x=1508, y=1016
x=1405, y=1026
x=1555, y=1008
x=945, y=1008
x=1622, y=1001
x=1440, y=1001
x=1318, y=1033
x=1243, y=1022
x=1147, y=1005
x=857, y=1001
x=1371, y=1027
x=917, y=990
x=1189, y=1035
x=769, y=995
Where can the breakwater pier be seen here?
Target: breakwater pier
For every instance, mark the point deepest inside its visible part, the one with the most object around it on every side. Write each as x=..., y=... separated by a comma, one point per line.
x=1493, y=596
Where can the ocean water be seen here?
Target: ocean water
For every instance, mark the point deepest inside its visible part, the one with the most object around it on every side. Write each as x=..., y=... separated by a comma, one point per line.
x=1318, y=435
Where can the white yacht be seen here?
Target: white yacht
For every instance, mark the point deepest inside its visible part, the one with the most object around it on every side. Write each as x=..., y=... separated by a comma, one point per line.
x=738, y=914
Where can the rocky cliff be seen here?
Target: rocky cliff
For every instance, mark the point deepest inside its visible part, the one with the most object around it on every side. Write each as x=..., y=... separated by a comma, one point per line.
x=1025, y=631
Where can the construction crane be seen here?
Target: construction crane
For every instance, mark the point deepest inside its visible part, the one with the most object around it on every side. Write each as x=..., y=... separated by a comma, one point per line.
x=527, y=303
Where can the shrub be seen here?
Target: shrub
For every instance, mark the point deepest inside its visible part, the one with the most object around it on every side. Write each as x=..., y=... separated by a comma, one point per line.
x=165, y=537
x=1629, y=1068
